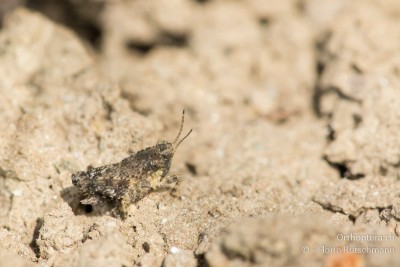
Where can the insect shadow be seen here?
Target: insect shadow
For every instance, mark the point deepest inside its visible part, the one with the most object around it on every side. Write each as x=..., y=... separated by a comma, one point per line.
x=72, y=196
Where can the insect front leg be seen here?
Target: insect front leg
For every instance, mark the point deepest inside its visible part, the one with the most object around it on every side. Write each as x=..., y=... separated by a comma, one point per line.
x=170, y=180
x=124, y=205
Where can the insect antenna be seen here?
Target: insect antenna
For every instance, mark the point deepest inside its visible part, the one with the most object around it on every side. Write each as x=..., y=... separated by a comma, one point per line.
x=183, y=139
x=180, y=130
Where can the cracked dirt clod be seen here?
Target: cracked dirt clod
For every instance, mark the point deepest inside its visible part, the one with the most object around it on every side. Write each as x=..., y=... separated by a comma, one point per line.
x=60, y=232
x=366, y=130
x=354, y=197
x=251, y=242
x=109, y=250
x=363, y=114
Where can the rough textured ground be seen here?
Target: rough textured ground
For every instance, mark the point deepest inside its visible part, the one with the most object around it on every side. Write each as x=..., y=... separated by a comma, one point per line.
x=294, y=106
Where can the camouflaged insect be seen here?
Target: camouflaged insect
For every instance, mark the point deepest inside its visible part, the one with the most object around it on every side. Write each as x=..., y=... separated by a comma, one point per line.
x=131, y=179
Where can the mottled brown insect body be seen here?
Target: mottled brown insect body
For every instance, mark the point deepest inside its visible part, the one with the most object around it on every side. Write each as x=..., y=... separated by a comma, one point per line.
x=131, y=179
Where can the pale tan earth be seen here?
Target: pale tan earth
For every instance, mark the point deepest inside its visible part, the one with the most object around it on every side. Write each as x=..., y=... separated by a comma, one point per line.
x=296, y=119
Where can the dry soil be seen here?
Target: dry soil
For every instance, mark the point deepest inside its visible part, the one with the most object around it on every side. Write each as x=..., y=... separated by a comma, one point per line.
x=295, y=155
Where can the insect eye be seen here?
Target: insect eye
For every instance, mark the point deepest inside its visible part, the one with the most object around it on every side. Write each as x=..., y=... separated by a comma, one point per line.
x=152, y=164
